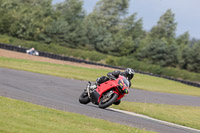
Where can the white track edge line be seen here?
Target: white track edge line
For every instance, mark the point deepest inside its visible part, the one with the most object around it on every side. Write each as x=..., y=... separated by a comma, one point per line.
x=153, y=119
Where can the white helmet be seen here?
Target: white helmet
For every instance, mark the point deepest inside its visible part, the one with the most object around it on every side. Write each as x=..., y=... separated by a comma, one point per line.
x=129, y=73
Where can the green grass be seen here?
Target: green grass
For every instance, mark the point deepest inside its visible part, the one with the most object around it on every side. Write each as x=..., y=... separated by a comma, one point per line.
x=140, y=81
x=88, y=53
x=178, y=114
x=91, y=55
x=151, y=83
x=183, y=115
x=22, y=117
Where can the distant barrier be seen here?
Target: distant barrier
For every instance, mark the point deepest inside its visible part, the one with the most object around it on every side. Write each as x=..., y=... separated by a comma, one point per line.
x=66, y=58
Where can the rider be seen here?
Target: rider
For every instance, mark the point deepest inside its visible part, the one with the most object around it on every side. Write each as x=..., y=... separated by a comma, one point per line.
x=128, y=73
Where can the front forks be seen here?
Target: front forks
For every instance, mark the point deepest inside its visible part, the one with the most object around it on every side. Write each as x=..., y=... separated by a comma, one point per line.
x=88, y=89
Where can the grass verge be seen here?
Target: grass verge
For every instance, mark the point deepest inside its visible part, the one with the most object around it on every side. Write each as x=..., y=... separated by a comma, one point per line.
x=88, y=53
x=140, y=81
x=22, y=117
x=183, y=115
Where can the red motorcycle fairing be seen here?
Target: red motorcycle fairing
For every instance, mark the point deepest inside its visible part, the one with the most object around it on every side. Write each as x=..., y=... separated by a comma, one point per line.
x=107, y=93
x=108, y=85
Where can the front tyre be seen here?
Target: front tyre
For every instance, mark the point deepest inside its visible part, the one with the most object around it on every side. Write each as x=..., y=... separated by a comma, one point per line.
x=112, y=99
x=84, y=99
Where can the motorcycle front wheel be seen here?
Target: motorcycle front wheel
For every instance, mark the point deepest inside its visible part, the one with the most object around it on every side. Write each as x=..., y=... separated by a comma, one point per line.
x=84, y=99
x=104, y=104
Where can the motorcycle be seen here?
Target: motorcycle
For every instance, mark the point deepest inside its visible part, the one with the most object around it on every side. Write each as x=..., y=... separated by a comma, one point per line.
x=32, y=52
x=107, y=93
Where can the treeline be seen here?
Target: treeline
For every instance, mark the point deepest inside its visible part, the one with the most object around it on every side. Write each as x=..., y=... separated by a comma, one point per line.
x=106, y=29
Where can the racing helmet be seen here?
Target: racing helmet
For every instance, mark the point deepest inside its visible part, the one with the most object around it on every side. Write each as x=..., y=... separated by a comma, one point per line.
x=129, y=72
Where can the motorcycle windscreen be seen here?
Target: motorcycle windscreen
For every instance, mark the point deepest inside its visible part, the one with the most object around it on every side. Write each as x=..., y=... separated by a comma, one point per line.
x=123, y=83
x=126, y=82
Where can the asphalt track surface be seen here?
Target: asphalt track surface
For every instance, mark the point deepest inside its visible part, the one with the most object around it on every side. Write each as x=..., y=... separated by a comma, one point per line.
x=63, y=94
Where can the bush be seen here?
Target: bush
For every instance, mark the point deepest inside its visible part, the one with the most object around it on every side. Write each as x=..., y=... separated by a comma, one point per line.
x=99, y=57
x=155, y=69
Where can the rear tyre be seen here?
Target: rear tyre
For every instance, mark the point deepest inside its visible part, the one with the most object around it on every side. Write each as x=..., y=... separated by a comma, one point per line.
x=104, y=105
x=84, y=99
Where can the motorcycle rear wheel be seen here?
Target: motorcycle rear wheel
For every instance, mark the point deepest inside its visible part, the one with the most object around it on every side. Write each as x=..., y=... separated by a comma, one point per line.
x=108, y=103
x=84, y=99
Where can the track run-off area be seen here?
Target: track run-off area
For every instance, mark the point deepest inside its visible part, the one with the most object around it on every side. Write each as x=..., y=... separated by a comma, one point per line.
x=63, y=94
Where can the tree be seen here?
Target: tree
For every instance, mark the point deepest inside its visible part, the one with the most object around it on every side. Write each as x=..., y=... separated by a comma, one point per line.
x=191, y=56
x=123, y=45
x=133, y=27
x=182, y=43
x=158, y=52
x=7, y=9
x=165, y=27
x=92, y=32
x=183, y=40
x=108, y=13
x=70, y=32
x=71, y=11
x=58, y=32
x=104, y=41
x=107, y=18
x=25, y=23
